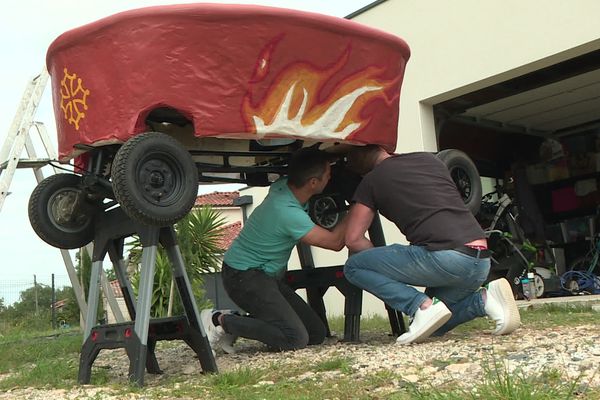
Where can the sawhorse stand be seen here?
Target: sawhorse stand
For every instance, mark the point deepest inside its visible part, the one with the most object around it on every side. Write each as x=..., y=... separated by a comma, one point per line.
x=317, y=281
x=139, y=336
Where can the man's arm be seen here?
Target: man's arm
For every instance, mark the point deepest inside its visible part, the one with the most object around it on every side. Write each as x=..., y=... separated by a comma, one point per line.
x=321, y=237
x=359, y=221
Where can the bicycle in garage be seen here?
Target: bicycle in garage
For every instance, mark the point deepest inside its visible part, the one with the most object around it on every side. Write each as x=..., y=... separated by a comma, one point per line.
x=514, y=257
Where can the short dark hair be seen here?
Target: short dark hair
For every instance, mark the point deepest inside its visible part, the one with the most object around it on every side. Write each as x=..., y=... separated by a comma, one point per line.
x=305, y=164
x=362, y=159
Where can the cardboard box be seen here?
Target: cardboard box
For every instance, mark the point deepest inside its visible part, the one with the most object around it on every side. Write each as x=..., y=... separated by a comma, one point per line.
x=582, y=164
x=537, y=173
x=558, y=171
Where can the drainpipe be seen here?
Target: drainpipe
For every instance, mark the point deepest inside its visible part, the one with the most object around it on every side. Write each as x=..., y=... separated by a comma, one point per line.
x=243, y=202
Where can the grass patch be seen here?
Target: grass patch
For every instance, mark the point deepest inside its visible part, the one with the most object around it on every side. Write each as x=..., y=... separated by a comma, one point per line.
x=52, y=360
x=370, y=323
x=288, y=387
x=542, y=316
x=266, y=383
x=342, y=364
x=36, y=361
x=241, y=377
x=498, y=383
x=41, y=358
x=58, y=373
x=374, y=323
x=560, y=315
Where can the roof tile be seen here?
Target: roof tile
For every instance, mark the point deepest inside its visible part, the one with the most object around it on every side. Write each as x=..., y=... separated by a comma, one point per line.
x=116, y=288
x=230, y=232
x=223, y=199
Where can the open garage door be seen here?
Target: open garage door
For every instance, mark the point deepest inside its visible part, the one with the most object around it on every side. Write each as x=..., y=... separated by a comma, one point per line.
x=507, y=122
x=510, y=129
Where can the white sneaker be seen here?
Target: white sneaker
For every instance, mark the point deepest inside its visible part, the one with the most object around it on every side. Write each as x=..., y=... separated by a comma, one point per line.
x=426, y=322
x=227, y=342
x=228, y=339
x=213, y=333
x=501, y=307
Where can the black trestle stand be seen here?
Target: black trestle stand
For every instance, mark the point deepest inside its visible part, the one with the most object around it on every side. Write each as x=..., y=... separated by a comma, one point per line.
x=139, y=336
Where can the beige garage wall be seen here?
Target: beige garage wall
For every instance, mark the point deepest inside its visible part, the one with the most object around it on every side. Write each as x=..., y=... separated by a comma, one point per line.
x=463, y=45
x=459, y=46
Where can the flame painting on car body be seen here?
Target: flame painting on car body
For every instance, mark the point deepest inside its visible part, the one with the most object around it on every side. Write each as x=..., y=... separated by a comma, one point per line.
x=239, y=72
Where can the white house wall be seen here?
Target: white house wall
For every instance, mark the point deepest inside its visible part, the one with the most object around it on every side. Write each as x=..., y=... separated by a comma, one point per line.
x=230, y=214
x=110, y=316
x=460, y=46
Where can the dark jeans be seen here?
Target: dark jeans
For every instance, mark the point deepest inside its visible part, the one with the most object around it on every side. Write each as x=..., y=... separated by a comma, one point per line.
x=278, y=316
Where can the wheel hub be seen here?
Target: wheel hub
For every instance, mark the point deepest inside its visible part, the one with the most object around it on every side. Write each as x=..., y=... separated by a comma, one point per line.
x=64, y=208
x=462, y=182
x=158, y=180
x=326, y=212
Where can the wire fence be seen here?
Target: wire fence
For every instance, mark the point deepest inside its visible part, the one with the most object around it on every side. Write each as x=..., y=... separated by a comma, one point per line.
x=11, y=289
x=38, y=303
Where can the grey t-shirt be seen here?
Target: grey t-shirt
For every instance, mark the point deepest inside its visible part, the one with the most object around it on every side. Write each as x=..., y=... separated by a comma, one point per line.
x=415, y=192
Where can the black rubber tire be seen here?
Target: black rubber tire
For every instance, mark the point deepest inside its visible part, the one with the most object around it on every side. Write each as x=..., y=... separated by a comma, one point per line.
x=465, y=175
x=325, y=210
x=47, y=200
x=154, y=179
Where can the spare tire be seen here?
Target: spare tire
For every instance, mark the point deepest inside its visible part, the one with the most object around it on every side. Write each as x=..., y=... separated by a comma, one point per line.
x=154, y=179
x=465, y=175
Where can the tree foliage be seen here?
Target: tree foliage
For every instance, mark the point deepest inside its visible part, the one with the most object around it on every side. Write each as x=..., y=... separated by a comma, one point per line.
x=69, y=314
x=37, y=315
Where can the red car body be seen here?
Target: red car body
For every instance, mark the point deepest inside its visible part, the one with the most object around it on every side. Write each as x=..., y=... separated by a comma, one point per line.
x=234, y=71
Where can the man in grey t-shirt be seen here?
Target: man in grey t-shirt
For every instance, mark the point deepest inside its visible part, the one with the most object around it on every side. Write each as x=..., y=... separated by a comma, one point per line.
x=447, y=253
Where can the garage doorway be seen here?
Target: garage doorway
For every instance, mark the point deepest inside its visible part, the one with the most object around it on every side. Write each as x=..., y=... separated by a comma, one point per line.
x=544, y=128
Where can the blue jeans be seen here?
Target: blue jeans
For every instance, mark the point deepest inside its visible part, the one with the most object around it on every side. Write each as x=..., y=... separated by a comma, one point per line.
x=389, y=272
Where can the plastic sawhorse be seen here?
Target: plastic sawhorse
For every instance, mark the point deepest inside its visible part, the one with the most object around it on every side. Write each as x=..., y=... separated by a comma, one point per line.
x=139, y=336
x=319, y=280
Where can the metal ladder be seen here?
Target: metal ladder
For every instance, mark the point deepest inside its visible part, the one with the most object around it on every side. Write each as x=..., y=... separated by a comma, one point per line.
x=10, y=159
x=19, y=138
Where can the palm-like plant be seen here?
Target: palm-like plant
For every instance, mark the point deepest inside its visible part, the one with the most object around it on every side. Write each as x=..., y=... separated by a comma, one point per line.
x=198, y=236
x=161, y=286
x=84, y=268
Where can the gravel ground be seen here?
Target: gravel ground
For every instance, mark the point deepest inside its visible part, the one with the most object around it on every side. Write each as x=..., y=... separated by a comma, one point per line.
x=458, y=359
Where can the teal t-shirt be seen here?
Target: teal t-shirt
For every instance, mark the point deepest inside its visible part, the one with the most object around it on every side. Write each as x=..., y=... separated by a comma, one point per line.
x=271, y=232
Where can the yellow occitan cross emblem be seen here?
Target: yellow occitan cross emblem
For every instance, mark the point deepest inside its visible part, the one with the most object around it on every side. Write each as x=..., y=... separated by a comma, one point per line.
x=73, y=97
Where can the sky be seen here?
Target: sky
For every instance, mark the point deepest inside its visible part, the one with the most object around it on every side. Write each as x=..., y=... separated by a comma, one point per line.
x=27, y=28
